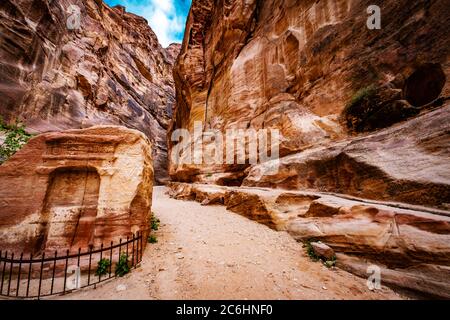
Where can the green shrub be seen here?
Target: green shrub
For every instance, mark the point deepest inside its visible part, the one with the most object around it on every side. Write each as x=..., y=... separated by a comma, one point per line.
x=122, y=266
x=330, y=263
x=3, y=126
x=103, y=267
x=361, y=95
x=363, y=103
x=152, y=239
x=154, y=222
x=310, y=250
x=16, y=137
x=314, y=257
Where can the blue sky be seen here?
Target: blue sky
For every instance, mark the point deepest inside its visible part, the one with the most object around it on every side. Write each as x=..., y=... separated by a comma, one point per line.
x=166, y=17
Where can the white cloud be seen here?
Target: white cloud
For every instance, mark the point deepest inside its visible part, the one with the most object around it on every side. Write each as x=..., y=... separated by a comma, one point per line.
x=161, y=16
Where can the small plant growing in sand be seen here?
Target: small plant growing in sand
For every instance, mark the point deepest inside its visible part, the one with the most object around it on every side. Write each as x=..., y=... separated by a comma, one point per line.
x=152, y=239
x=314, y=257
x=122, y=266
x=103, y=267
x=330, y=263
x=154, y=223
x=310, y=250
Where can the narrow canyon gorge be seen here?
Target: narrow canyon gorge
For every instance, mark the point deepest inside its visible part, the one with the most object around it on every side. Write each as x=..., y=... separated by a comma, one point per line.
x=363, y=167
x=111, y=70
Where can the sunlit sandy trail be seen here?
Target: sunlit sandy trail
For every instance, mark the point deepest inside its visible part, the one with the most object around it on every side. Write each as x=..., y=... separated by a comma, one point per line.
x=207, y=252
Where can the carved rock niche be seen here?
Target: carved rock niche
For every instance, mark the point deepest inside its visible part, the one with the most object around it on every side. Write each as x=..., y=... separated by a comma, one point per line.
x=72, y=189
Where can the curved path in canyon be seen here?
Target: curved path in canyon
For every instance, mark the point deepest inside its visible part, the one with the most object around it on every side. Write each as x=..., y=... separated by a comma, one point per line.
x=207, y=252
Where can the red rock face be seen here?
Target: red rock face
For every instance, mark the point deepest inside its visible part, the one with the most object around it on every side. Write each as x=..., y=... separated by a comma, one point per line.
x=111, y=70
x=313, y=70
x=364, y=119
x=68, y=190
x=406, y=163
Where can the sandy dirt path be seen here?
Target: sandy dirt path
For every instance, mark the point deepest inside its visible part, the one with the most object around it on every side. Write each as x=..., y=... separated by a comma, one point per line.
x=207, y=252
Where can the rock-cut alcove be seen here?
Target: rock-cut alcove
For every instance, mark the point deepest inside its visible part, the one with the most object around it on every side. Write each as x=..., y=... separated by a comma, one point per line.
x=70, y=209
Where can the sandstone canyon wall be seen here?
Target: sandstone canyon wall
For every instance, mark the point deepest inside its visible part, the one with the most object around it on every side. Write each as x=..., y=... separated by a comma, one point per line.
x=409, y=245
x=313, y=70
x=71, y=189
x=364, y=117
x=110, y=70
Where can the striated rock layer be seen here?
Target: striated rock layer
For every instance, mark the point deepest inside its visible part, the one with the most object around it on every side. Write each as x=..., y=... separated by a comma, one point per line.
x=71, y=189
x=110, y=70
x=410, y=244
x=362, y=113
x=408, y=162
x=313, y=70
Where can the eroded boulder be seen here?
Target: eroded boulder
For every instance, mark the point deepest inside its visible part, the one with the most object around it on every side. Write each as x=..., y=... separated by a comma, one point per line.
x=407, y=163
x=71, y=189
x=323, y=251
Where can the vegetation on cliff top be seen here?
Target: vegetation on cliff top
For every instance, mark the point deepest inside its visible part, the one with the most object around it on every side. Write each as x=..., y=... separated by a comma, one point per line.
x=14, y=137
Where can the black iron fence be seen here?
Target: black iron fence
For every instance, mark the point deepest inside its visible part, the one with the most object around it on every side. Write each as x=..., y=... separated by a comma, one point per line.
x=34, y=278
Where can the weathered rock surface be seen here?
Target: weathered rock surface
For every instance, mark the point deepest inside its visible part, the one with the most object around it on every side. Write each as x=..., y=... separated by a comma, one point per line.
x=71, y=189
x=322, y=250
x=408, y=162
x=313, y=70
x=111, y=70
x=410, y=244
x=361, y=112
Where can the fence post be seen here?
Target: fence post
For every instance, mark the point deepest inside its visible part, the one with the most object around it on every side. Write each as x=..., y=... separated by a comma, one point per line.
x=10, y=273
x=40, y=276
x=29, y=275
x=110, y=259
x=53, y=275
x=137, y=248
x=128, y=240
x=90, y=259
x=65, y=271
x=101, y=257
x=140, y=246
x=18, y=275
x=132, y=252
x=3, y=272
x=120, y=247
x=79, y=256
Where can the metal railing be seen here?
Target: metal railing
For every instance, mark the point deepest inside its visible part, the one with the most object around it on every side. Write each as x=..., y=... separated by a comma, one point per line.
x=34, y=278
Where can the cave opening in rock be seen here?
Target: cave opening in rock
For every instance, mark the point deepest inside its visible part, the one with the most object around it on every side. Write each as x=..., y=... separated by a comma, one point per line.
x=425, y=84
x=291, y=52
